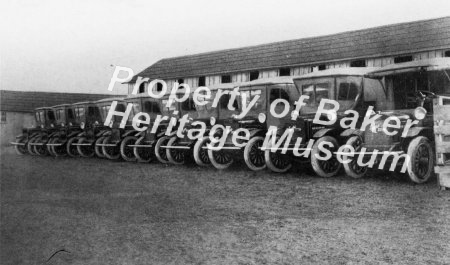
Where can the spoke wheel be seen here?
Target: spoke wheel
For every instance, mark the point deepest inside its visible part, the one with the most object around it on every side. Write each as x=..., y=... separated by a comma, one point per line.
x=71, y=149
x=277, y=162
x=161, y=153
x=329, y=167
x=421, y=162
x=98, y=149
x=126, y=151
x=30, y=147
x=253, y=155
x=143, y=154
x=40, y=149
x=85, y=150
x=59, y=150
x=111, y=152
x=352, y=168
x=220, y=159
x=175, y=156
x=21, y=149
x=200, y=153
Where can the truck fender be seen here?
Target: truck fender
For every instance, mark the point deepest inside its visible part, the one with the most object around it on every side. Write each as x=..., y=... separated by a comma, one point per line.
x=350, y=132
x=139, y=134
x=415, y=131
x=128, y=133
x=72, y=134
x=323, y=132
x=256, y=132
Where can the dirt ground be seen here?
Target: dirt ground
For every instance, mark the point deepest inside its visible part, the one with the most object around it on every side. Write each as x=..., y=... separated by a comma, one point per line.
x=93, y=211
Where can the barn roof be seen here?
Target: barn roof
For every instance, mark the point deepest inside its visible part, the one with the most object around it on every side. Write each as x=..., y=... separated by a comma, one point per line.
x=20, y=101
x=381, y=41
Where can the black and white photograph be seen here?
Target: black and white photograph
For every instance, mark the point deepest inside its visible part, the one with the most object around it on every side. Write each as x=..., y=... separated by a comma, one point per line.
x=224, y=132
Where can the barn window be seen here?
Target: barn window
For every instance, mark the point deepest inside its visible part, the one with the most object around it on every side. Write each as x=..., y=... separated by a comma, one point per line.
x=285, y=71
x=402, y=59
x=142, y=88
x=322, y=67
x=70, y=114
x=447, y=53
x=358, y=63
x=201, y=81
x=226, y=79
x=3, y=120
x=180, y=81
x=159, y=87
x=254, y=75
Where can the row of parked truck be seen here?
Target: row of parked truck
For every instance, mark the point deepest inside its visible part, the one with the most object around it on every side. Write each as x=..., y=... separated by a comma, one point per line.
x=403, y=90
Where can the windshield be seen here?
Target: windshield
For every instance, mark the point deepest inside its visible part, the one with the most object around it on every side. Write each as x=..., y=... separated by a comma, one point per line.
x=40, y=118
x=60, y=115
x=316, y=89
x=440, y=82
x=79, y=113
x=104, y=111
x=166, y=110
x=248, y=94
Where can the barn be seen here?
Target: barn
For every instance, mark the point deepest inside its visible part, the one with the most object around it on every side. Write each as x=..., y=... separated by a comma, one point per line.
x=16, y=108
x=377, y=46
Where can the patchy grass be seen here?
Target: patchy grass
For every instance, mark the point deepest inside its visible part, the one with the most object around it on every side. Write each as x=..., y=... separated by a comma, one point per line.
x=103, y=212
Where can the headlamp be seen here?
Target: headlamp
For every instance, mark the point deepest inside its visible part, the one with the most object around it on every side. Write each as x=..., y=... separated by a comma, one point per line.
x=332, y=115
x=420, y=113
x=82, y=125
x=212, y=120
x=262, y=117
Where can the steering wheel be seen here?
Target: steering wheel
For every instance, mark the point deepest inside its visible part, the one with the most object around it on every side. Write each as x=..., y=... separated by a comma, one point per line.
x=424, y=94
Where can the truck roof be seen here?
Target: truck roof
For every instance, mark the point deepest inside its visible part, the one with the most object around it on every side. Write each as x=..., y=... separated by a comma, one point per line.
x=344, y=71
x=425, y=64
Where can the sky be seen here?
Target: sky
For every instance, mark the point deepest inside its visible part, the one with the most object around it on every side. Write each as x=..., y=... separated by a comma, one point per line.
x=73, y=45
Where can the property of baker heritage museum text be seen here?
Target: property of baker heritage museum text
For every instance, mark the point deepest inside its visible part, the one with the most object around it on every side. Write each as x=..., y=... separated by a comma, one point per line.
x=350, y=118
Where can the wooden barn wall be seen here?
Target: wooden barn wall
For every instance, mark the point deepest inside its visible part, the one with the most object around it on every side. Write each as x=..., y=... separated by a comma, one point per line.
x=297, y=70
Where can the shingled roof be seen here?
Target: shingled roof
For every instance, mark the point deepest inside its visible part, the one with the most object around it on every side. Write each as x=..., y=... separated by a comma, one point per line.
x=19, y=101
x=367, y=43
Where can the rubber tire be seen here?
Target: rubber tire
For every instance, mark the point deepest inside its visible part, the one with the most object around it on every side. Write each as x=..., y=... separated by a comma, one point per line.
x=30, y=147
x=348, y=169
x=248, y=148
x=40, y=150
x=270, y=165
x=123, y=148
x=412, y=151
x=74, y=152
x=315, y=162
x=171, y=142
x=50, y=148
x=158, y=145
x=115, y=155
x=217, y=164
x=198, y=148
x=139, y=158
x=82, y=148
x=21, y=149
x=63, y=148
x=98, y=149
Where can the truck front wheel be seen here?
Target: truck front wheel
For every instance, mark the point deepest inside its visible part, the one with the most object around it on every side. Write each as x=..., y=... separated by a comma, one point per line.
x=421, y=160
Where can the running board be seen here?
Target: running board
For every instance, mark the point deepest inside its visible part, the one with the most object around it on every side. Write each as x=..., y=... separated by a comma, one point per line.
x=139, y=145
x=175, y=147
x=281, y=149
x=37, y=144
x=83, y=144
x=55, y=144
x=106, y=144
x=14, y=143
x=369, y=153
x=223, y=148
